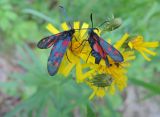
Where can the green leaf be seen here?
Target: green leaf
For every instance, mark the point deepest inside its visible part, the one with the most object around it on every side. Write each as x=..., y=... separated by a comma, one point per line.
x=33, y=102
x=8, y=85
x=150, y=86
x=149, y=95
x=38, y=14
x=90, y=112
x=112, y=111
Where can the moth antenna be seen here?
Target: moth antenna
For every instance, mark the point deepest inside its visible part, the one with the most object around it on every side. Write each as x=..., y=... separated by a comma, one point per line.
x=65, y=14
x=91, y=19
x=92, y=22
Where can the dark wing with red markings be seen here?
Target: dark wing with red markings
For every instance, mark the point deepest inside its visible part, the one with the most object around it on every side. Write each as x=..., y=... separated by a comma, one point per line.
x=111, y=51
x=57, y=54
x=49, y=41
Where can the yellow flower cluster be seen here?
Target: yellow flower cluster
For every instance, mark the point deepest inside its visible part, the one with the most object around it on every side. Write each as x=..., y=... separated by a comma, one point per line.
x=100, y=77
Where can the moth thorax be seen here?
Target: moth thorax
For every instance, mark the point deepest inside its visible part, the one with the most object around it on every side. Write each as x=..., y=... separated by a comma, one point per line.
x=90, y=31
x=72, y=31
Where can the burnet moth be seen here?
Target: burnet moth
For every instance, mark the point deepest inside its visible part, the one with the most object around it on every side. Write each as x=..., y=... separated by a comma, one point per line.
x=100, y=48
x=60, y=43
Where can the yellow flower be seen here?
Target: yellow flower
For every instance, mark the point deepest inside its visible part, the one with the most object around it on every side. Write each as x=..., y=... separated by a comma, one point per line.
x=138, y=44
x=117, y=71
x=99, y=83
x=99, y=77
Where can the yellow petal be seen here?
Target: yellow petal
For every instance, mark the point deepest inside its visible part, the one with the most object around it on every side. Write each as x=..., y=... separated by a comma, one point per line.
x=88, y=74
x=151, y=44
x=82, y=76
x=144, y=55
x=85, y=66
x=73, y=58
x=65, y=26
x=68, y=69
x=83, y=31
x=126, y=64
x=98, y=32
x=130, y=58
x=129, y=55
x=79, y=76
x=100, y=92
x=52, y=29
x=130, y=45
x=149, y=51
x=76, y=25
x=121, y=41
x=112, y=89
x=92, y=95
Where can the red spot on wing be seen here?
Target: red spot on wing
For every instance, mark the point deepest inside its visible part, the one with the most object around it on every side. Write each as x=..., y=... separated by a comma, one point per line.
x=95, y=47
x=50, y=44
x=115, y=52
x=49, y=39
x=56, y=63
x=99, y=49
x=57, y=54
x=60, y=54
x=109, y=49
x=65, y=43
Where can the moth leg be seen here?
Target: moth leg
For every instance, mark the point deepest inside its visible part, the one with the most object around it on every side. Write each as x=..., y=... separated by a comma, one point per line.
x=71, y=46
x=68, y=57
x=79, y=34
x=107, y=61
x=88, y=56
x=84, y=41
x=75, y=38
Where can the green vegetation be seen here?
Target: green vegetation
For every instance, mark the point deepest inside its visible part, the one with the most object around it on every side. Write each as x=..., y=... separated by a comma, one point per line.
x=22, y=25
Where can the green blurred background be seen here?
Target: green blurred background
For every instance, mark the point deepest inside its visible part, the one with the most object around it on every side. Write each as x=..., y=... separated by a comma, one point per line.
x=26, y=89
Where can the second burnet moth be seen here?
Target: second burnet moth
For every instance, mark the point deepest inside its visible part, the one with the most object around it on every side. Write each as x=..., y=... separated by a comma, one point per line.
x=101, y=49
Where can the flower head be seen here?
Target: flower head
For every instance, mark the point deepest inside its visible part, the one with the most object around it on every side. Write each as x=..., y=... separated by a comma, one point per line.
x=100, y=77
x=141, y=46
x=97, y=77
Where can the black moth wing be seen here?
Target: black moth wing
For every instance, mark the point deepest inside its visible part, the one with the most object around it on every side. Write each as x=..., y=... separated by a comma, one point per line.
x=47, y=42
x=109, y=49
